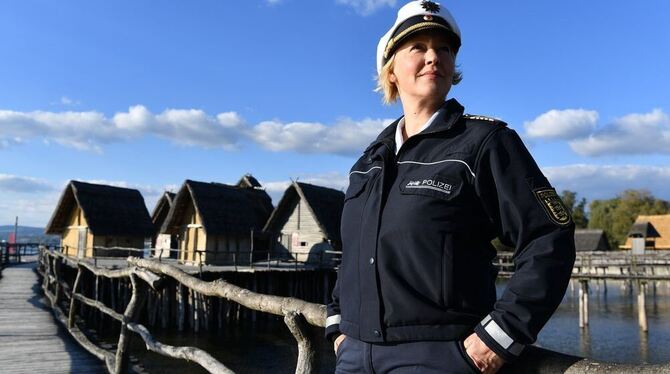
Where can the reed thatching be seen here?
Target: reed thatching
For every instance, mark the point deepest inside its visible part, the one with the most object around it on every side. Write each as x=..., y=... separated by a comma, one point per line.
x=110, y=211
x=162, y=209
x=223, y=209
x=587, y=240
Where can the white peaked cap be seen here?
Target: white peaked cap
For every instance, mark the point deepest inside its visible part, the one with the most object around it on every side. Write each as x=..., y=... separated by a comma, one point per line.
x=413, y=17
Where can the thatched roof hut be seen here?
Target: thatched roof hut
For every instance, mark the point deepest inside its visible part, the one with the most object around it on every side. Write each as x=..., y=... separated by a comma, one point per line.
x=587, y=240
x=102, y=216
x=223, y=208
x=306, y=221
x=216, y=217
x=655, y=228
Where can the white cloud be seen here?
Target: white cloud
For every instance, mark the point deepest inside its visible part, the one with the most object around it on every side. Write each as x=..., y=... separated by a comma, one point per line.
x=192, y=127
x=34, y=210
x=366, y=7
x=606, y=181
x=645, y=133
x=68, y=101
x=14, y=183
x=344, y=137
x=562, y=124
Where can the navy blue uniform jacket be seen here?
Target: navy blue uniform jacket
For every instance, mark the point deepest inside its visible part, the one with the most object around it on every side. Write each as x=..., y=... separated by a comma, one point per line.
x=416, y=238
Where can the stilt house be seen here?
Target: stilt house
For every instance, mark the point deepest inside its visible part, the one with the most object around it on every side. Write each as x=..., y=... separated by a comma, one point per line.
x=306, y=223
x=218, y=224
x=163, y=242
x=93, y=215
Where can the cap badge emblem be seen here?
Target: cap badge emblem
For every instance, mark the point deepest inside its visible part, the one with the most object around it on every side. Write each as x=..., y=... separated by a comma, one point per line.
x=427, y=17
x=430, y=6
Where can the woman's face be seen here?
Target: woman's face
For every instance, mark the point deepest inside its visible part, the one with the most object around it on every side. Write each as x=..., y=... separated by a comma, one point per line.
x=424, y=67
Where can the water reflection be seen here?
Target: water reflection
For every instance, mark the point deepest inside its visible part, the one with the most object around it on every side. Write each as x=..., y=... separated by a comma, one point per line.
x=613, y=333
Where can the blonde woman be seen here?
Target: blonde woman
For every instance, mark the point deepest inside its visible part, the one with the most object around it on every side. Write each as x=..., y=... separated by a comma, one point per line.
x=416, y=288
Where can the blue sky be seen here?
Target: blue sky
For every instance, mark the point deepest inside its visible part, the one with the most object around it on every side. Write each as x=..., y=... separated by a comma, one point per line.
x=145, y=94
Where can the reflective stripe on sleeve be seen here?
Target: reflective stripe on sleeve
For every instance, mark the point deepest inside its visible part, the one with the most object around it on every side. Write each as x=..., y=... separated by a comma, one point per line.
x=333, y=320
x=500, y=336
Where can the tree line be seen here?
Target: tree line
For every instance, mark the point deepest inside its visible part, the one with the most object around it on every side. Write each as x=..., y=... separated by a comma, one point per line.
x=615, y=216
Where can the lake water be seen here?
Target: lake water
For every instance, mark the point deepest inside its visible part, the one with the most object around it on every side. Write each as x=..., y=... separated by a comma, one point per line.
x=612, y=335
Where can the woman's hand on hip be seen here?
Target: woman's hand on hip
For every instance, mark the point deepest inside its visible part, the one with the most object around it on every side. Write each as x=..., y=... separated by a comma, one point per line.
x=337, y=342
x=487, y=361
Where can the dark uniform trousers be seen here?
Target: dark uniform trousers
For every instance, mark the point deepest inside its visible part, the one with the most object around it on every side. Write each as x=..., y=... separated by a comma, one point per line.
x=355, y=356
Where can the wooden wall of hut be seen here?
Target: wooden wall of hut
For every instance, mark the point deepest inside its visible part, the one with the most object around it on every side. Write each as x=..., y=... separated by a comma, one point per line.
x=191, y=236
x=77, y=238
x=301, y=236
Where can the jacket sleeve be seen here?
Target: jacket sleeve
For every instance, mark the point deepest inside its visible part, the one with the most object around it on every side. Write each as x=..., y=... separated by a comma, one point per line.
x=333, y=313
x=528, y=215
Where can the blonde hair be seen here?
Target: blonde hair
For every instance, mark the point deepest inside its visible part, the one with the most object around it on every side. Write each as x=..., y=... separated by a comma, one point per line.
x=390, y=90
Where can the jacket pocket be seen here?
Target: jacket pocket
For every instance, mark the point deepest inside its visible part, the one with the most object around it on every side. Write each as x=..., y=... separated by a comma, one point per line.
x=358, y=179
x=466, y=357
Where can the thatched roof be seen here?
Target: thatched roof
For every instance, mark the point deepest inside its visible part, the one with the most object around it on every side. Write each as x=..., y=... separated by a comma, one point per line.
x=222, y=208
x=643, y=230
x=111, y=211
x=162, y=209
x=325, y=204
x=248, y=180
x=656, y=228
x=591, y=240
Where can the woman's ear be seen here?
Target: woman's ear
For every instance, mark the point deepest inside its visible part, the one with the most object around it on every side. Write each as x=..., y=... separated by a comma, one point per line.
x=392, y=78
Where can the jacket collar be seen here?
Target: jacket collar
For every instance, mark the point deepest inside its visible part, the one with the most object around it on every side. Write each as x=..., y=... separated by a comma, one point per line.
x=445, y=121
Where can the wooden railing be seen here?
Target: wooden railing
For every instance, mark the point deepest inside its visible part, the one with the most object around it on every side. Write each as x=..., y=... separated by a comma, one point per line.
x=237, y=259
x=14, y=252
x=146, y=273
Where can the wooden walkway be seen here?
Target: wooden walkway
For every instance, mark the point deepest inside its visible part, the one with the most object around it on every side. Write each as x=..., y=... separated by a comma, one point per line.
x=31, y=340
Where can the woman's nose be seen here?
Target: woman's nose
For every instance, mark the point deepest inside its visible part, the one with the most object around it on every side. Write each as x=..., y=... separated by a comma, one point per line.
x=431, y=57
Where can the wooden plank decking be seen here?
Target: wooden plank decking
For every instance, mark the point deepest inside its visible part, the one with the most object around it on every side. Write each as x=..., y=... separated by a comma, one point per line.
x=31, y=340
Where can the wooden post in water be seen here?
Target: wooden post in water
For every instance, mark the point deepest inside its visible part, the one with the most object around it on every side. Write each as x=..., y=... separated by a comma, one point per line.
x=194, y=310
x=180, y=304
x=583, y=303
x=641, y=310
x=165, y=309
x=219, y=320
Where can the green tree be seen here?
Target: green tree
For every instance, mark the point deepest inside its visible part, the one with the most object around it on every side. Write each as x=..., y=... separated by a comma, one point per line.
x=577, y=208
x=616, y=216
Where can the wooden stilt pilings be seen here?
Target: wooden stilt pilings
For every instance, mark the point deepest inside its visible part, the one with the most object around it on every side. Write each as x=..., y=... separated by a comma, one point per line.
x=641, y=309
x=583, y=303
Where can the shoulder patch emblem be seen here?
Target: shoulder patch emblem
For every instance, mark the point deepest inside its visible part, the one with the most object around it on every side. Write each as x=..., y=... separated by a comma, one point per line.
x=553, y=206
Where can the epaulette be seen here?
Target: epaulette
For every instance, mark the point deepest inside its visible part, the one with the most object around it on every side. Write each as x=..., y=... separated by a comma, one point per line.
x=483, y=118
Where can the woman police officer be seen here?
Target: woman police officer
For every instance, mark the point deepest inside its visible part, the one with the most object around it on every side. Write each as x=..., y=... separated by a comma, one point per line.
x=416, y=287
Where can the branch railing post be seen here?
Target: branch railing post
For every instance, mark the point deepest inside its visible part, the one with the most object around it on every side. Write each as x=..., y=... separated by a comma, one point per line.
x=75, y=289
x=56, y=272
x=122, y=356
x=306, y=354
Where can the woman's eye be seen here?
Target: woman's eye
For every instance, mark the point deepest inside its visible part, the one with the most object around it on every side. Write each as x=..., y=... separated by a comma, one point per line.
x=417, y=47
